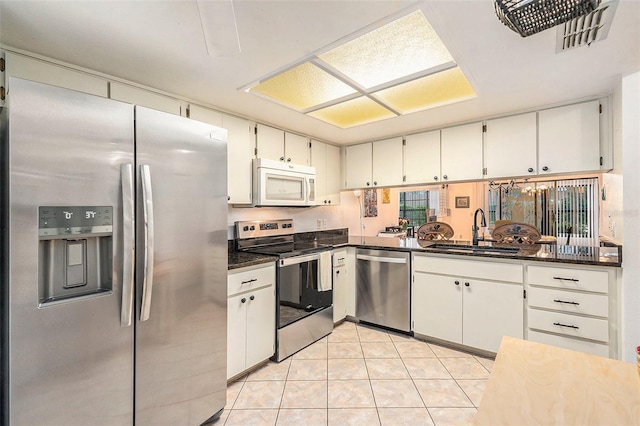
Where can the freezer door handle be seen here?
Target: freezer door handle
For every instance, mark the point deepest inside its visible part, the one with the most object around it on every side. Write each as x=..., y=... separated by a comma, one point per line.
x=129, y=238
x=147, y=214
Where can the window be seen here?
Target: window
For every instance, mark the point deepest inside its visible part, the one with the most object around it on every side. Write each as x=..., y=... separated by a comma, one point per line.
x=419, y=207
x=566, y=209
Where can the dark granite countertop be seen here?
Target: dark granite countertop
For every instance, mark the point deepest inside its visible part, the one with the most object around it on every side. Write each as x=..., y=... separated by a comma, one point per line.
x=600, y=256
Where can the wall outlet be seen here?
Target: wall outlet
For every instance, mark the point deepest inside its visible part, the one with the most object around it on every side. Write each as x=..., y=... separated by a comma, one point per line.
x=319, y=224
x=324, y=223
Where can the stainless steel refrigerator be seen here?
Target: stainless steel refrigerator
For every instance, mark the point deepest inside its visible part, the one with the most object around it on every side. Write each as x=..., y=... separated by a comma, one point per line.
x=114, y=262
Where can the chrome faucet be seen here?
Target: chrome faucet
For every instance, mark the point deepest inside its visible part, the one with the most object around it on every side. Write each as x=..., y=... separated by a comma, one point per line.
x=474, y=228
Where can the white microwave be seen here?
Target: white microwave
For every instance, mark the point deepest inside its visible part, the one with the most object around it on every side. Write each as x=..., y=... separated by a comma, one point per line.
x=280, y=184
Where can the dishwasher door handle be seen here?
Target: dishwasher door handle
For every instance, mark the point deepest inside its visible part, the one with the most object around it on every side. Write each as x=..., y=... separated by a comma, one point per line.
x=381, y=259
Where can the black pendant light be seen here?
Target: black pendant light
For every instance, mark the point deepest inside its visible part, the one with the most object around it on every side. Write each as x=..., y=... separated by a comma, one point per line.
x=527, y=17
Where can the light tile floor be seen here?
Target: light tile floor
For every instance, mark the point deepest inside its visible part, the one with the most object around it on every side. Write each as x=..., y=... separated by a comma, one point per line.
x=360, y=375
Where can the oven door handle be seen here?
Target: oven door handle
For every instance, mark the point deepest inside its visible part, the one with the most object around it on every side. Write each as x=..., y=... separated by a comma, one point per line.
x=298, y=259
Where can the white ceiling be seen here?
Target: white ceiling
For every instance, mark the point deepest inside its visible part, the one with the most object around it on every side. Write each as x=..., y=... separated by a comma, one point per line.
x=161, y=44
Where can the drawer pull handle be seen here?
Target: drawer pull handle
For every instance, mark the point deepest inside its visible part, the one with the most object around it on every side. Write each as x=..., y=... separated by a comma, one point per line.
x=565, y=325
x=249, y=281
x=564, y=301
x=566, y=279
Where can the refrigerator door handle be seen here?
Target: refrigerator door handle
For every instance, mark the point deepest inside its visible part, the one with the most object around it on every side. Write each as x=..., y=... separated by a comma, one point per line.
x=129, y=238
x=147, y=213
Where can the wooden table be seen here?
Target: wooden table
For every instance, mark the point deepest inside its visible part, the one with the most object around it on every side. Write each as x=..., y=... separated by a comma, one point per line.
x=532, y=383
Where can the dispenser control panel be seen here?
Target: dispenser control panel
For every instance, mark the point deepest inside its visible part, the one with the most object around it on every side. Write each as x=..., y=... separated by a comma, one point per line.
x=74, y=220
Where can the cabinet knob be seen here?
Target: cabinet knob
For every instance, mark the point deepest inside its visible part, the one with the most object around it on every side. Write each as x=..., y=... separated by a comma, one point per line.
x=530, y=170
x=445, y=177
x=375, y=182
x=457, y=282
x=281, y=158
x=243, y=300
x=368, y=184
x=466, y=284
x=545, y=169
x=325, y=201
x=329, y=202
x=337, y=272
x=288, y=160
x=435, y=178
x=252, y=297
x=228, y=197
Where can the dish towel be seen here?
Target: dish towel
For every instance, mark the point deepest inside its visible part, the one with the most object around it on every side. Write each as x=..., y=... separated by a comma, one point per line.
x=325, y=272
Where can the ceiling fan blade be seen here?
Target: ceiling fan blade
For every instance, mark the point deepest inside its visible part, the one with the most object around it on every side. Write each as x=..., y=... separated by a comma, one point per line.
x=219, y=27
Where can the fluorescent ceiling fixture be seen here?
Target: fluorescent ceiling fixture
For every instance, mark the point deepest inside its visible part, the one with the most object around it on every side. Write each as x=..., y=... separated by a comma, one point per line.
x=397, y=68
x=427, y=92
x=303, y=87
x=353, y=113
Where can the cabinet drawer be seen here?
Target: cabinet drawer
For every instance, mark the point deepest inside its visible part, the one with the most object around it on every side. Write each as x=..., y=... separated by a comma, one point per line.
x=569, y=343
x=489, y=270
x=569, y=325
x=569, y=278
x=569, y=301
x=340, y=257
x=246, y=279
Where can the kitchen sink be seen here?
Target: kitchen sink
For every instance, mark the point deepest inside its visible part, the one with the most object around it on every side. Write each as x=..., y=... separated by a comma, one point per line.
x=474, y=249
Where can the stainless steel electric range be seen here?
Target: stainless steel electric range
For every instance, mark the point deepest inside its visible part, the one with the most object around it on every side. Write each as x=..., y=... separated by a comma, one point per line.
x=304, y=295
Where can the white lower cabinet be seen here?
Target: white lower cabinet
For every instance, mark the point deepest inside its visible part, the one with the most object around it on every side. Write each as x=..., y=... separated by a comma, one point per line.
x=572, y=307
x=468, y=302
x=251, y=319
x=343, y=289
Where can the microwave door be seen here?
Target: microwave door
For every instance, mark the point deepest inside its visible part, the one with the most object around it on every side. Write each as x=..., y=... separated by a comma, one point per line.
x=281, y=189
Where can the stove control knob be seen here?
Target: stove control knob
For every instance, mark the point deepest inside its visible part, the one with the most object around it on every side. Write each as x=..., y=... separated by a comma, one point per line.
x=252, y=228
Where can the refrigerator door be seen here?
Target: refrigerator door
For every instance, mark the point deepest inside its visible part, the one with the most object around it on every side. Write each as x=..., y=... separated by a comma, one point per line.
x=70, y=360
x=181, y=270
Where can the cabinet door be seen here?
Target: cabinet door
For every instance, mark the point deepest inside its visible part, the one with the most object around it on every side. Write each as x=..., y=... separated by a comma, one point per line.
x=339, y=293
x=387, y=162
x=351, y=281
x=358, y=166
x=510, y=147
x=296, y=149
x=319, y=161
x=206, y=115
x=569, y=138
x=17, y=65
x=261, y=325
x=422, y=158
x=239, y=156
x=270, y=143
x=146, y=98
x=491, y=310
x=437, y=306
x=461, y=152
x=333, y=175
x=236, y=335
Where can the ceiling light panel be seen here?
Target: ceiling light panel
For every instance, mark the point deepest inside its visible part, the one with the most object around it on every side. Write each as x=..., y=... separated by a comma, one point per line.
x=303, y=87
x=428, y=92
x=353, y=113
x=398, y=49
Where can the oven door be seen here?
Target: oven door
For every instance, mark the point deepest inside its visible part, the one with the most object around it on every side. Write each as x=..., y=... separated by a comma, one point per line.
x=304, y=287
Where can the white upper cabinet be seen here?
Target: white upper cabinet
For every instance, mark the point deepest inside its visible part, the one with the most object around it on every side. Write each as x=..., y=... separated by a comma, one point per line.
x=240, y=149
x=461, y=152
x=510, y=146
x=357, y=163
x=569, y=138
x=326, y=159
x=146, y=98
x=422, y=158
x=296, y=149
x=206, y=115
x=387, y=162
x=45, y=72
x=278, y=145
x=270, y=142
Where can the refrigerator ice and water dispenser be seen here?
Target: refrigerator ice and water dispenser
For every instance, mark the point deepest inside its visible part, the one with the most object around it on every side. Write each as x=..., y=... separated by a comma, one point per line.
x=75, y=252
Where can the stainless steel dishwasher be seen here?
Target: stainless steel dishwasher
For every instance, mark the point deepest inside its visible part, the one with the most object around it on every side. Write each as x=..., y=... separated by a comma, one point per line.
x=383, y=288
